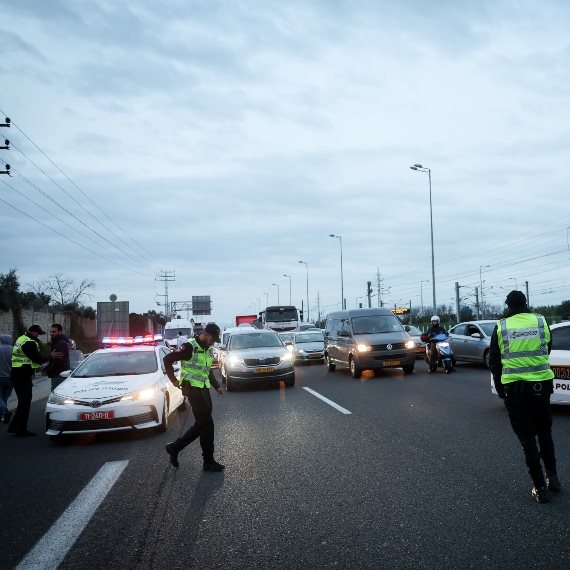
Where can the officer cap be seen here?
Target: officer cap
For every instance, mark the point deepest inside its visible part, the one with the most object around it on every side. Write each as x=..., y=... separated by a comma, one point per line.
x=214, y=330
x=515, y=299
x=36, y=329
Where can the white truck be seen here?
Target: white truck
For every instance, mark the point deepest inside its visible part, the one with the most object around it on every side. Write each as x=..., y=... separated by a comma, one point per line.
x=172, y=328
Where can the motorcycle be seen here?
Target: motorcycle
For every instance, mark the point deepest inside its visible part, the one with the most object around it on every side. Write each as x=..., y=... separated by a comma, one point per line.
x=444, y=354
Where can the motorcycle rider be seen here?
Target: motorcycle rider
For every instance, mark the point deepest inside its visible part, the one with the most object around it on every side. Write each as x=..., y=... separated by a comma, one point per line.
x=436, y=329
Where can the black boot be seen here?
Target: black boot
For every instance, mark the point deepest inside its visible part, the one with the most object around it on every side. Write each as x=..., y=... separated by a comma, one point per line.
x=553, y=483
x=213, y=465
x=540, y=494
x=173, y=455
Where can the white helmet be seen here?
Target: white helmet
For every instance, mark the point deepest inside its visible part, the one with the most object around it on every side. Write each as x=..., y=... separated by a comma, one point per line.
x=72, y=344
x=436, y=319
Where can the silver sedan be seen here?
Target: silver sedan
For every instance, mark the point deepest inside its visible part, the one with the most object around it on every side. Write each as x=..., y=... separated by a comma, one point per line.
x=470, y=341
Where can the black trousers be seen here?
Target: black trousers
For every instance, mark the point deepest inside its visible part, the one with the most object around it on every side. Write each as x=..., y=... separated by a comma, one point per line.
x=201, y=403
x=22, y=381
x=531, y=420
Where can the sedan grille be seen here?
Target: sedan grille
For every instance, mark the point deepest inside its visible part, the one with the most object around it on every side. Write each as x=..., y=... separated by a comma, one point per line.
x=261, y=361
x=89, y=425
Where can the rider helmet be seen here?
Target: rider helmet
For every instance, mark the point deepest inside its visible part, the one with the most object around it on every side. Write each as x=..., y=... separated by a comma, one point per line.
x=72, y=344
x=435, y=320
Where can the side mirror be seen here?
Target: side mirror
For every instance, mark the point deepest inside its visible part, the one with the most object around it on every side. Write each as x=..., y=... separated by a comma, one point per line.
x=288, y=342
x=424, y=337
x=407, y=328
x=65, y=374
x=476, y=335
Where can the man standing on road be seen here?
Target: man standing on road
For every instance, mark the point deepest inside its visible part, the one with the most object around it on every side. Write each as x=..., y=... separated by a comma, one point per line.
x=519, y=363
x=182, y=339
x=60, y=344
x=5, y=376
x=26, y=359
x=195, y=379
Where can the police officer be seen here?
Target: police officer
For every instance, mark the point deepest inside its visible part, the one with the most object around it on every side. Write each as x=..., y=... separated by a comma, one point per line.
x=196, y=377
x=518, y=359
x=26, y=359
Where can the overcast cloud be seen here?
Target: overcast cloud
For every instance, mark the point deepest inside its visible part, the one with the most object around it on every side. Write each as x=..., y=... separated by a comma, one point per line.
x=227, y=140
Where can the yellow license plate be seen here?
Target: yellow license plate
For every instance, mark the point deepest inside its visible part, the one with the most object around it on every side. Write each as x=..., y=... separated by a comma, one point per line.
x=264, y=370
x=391, y=363
x=314, y=355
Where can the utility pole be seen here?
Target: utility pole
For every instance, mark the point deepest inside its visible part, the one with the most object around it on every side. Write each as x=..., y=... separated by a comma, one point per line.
x=477, y=301
x=410, y=311
x=527, y=297
x=379, y=287
x=369, y=293
x=457, y=301
x=319, y=306
x=166, y=277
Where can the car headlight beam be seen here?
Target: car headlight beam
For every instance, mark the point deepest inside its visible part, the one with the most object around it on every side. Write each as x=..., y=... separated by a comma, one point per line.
x=364, y=348
x=410, y=344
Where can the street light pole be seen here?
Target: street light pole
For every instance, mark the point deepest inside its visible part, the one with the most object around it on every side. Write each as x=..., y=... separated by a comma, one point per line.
x=289, y=286
x=421, y=168
x=266, y=298
x=307, y=267
x=422, y=293
x=277, y=285
x=342, y=303
x=481, y=287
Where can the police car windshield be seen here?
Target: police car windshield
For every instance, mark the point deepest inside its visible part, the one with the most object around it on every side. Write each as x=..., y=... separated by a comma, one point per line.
x=120, y=363
x=254, y=340
x=376, y=324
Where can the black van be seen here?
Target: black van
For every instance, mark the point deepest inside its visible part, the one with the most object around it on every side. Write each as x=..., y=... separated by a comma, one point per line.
x=368, y=339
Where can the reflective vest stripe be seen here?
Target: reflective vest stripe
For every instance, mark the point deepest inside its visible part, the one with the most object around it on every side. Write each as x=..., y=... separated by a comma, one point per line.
x=524, y=369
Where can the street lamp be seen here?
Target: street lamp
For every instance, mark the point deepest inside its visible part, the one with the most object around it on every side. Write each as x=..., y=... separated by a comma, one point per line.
x=307, y=267
x=516, y=283
x=289, y=286
x=342, y=303
x=421, y=168
x=277, y=285
x=259, y=305
x=266, y=298
x=422, y=293
x=481, y=287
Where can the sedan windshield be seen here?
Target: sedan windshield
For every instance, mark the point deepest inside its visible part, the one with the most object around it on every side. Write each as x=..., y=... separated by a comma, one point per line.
x=254, y=340
x=487, y=328
x=309, y=337
x=376, y=324
x=117, y=364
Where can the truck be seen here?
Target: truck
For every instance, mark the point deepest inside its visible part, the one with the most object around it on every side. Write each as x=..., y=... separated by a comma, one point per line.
x=280, y=318
x=171, y=329
x=245, y=319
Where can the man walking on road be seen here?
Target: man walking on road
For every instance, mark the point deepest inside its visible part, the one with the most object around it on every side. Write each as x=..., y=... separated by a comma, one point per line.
x=195, y=380
x=26, y=359
x=519, y=363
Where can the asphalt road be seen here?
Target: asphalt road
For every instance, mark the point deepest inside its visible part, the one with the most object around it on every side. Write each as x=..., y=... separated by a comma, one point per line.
x=423, y=473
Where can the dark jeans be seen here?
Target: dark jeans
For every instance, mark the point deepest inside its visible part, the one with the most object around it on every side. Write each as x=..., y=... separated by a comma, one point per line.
x=22, y=381
x=531, y=419
x=5, y=391
x=201, y=403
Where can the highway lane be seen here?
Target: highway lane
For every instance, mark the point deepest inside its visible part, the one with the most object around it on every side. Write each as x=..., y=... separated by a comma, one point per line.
x=424, y=472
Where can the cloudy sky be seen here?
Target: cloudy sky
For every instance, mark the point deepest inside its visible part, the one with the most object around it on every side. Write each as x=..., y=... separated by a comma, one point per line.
x=225, y=141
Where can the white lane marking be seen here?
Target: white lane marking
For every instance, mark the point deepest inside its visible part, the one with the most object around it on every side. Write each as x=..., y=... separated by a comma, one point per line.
x=54, y=545
x=329, y=402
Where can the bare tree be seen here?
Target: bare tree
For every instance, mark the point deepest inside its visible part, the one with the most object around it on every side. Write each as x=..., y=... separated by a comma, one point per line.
x=63, y=290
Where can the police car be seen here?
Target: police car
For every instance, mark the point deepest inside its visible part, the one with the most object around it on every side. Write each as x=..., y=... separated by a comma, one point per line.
x=559, y=363
x=122, y=386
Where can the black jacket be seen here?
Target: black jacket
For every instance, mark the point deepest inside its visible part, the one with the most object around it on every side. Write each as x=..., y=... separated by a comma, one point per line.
x=495, y=362
x=57, y=365
x=435, y=330
x=185, y=353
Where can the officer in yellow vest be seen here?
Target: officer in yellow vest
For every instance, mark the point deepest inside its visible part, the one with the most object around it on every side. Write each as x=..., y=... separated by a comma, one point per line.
x=196, y=377
x=519, y=363
x=26, y=359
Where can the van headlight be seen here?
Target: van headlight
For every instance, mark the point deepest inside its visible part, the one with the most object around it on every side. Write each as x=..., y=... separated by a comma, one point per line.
x=364, y=348
x=286, y=357
x=410, y=344
x=233, y=360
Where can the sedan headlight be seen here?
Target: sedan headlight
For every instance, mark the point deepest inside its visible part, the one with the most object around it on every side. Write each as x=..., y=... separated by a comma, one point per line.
x=286, y=357
x=59, y=400
x=410, y=344
x=364, y=348
x=143, y=395
x=300, y=351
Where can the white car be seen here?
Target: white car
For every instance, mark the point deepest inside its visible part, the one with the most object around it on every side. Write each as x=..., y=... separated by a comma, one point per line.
x=559, y=363
x=122, y=387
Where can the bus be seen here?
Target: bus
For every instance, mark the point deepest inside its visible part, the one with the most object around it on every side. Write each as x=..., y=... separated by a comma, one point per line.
x=280, y=318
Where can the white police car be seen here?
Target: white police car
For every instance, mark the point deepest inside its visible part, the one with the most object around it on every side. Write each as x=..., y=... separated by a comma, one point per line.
x=559, y=363
x=123, y=386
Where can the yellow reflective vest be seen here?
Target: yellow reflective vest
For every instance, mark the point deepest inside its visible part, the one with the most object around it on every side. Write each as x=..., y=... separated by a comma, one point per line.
x=196, y=371
x=523, y=341
x=18, y=357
